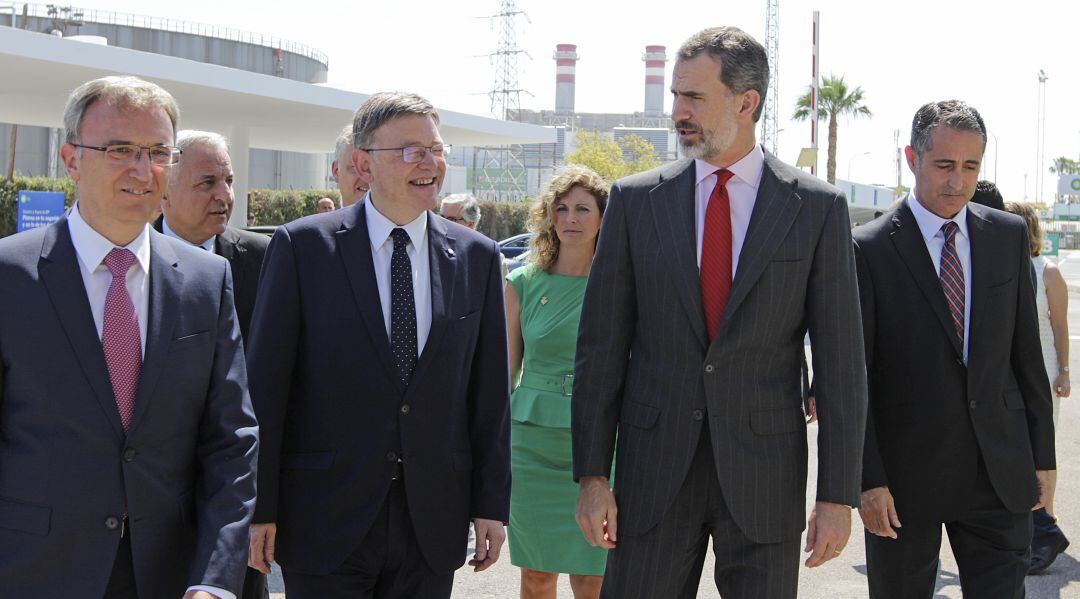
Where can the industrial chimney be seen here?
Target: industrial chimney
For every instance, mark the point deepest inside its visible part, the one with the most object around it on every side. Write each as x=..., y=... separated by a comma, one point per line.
x=566, y=58
x=654, y=58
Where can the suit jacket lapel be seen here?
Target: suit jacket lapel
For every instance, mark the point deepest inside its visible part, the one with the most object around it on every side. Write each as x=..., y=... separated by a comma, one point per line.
x=166, y=288
x=775, y=209
x=981, y=244
x=227, y=245
x=442, y=266
x=673, y=204
x=354, y=247
x=911, y=246
x=60, y=272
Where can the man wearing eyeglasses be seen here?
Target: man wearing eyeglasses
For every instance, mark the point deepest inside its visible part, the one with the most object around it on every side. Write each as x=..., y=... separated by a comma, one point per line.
x=129, y=442
x=372, y=466
x=461, y=208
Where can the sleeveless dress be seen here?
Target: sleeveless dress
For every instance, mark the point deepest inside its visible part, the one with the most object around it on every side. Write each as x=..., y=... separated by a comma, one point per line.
x=543, y=534
x=1046, y=333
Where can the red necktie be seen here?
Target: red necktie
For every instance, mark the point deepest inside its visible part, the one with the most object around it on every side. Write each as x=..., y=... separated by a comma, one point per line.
x=716, y=254
x=120, y=338
x=951, y=274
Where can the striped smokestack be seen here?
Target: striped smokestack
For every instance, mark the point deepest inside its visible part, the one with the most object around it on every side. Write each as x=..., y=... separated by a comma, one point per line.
x=654, y=57
x=566, y=58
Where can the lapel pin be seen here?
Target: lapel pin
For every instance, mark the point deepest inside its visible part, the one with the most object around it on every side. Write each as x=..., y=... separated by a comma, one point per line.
x=450, y=251
x=543, y=300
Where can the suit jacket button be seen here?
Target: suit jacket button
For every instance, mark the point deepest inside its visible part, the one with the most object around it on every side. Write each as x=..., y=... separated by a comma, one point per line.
x=129, y=454
x=971, y=404
x=405, y=409
x=112, y=522
x=698, y=415
x=391, y=456
x=709, y=368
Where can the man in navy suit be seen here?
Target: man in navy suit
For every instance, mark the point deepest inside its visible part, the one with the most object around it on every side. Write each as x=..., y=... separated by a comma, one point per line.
x=374, y=462
x=127, y=440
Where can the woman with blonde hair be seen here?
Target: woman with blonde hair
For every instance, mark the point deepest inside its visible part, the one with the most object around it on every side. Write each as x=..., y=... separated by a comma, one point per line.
x=1052, y=300
x=543, y=308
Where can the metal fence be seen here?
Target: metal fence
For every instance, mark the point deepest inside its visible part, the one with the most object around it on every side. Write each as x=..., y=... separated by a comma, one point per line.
x=107, y=17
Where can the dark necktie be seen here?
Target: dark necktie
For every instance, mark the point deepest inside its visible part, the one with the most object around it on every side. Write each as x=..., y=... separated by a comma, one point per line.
x=716, y=254
x=402, y=308
x=952, y=278
x=120, y=338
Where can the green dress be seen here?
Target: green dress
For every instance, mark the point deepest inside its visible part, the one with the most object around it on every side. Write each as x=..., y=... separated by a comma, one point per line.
x=543, y=533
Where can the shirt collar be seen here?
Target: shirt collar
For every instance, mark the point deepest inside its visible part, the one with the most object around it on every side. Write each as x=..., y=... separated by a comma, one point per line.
x=930, y=223
x=92, y=247
x=207, y=245
x=379, y=227
x=747, y=169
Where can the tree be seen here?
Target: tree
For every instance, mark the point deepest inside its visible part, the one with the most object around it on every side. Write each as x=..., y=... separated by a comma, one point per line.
x=1065, y=166
x=610, y=159
x=834, y=100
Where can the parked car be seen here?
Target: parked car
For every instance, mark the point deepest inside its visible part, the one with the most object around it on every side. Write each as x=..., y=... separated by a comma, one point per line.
x=511, y=247
x=516, y=262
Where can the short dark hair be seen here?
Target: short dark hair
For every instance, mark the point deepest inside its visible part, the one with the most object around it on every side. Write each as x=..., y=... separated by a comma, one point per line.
x=744, y=65
x=987, y=194
x=383, y=107
x=955, y=114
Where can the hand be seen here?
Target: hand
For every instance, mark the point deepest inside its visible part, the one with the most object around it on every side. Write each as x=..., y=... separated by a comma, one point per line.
x=878, y=512
x=1045, y=479
x=261, y=539
x=597, y=512
x=490, y=536
x=1062, y=386
x=827, y=532
x=811, y=409
x=199, y=595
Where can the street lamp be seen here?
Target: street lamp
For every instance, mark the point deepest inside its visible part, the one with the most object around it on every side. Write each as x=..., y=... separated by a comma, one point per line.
x=852, y=159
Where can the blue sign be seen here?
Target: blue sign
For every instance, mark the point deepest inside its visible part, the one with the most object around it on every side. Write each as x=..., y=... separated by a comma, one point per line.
x=39, y=209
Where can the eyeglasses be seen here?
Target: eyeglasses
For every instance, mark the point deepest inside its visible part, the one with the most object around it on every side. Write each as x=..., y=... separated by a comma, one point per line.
x=455, y=219
x=131, y=153
x=415, y=154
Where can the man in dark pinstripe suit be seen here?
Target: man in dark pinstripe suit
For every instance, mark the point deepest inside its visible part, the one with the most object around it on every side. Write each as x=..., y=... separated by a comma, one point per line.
x=708, y=273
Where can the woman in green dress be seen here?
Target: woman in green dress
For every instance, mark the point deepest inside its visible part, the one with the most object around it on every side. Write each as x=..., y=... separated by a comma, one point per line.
x=543, y=307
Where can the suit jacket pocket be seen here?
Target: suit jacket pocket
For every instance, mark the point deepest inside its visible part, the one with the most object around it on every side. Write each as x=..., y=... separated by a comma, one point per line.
x=25, y=517
x=1013, y=400
x=638, y=414
x=193, y=340
x=998, y=288
x=311, y=460
x=775, y=422
x=462, y=460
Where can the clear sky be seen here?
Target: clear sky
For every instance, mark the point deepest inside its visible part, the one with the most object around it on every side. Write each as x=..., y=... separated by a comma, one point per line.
x=903, y=54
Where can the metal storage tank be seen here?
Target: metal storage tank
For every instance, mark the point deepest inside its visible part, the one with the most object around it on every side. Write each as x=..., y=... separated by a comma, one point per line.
x=36, y=148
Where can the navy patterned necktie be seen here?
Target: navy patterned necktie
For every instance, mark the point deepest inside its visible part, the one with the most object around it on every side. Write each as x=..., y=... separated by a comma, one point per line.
x=951, y=274
x=402, y=308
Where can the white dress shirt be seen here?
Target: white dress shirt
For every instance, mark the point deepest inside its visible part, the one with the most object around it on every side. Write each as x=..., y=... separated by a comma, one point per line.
x=930, y=227
x=382, y=249
x=91, y=247
x=742, y=191
x=207, y=245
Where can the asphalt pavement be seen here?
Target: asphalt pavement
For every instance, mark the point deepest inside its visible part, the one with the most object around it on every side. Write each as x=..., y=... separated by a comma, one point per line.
x=845, y=576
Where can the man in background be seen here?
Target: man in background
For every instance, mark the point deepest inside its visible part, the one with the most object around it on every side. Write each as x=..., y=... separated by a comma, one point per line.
x=197, y=207
x=351, y=186
x=461, y=208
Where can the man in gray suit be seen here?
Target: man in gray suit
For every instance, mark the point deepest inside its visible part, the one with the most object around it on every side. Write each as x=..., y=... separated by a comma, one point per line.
x=708, y=273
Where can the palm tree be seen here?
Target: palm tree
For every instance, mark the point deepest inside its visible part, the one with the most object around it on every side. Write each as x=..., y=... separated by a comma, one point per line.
x=835, y=99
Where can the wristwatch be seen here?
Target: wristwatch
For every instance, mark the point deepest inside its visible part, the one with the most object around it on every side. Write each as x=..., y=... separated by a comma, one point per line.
x=1063, y=369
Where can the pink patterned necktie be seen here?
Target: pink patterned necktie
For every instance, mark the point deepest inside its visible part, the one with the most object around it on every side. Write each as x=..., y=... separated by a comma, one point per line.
x=120, y=336
x=951, y=274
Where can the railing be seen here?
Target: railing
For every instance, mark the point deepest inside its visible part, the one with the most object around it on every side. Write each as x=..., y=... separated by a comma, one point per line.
x=106, y=17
